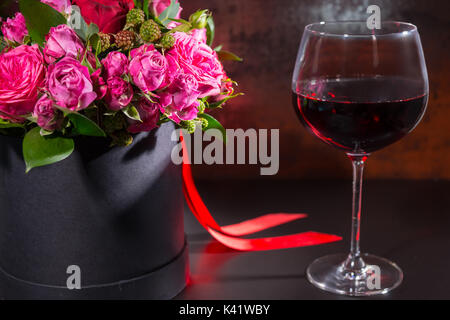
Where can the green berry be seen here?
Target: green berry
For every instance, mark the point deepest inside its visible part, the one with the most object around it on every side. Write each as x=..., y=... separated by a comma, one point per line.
x=125, y=39
x=105, y=40
x=190, y=126
x=150, y=31
x=201, y=108
x=205, y=123
x=135, y=17
x=167, y=41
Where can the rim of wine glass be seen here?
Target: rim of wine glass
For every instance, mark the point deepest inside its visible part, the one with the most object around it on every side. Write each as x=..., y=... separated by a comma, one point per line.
x=412, y=29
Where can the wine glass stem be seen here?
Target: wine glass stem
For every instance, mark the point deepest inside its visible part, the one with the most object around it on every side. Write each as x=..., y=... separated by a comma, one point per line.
x=355, y=261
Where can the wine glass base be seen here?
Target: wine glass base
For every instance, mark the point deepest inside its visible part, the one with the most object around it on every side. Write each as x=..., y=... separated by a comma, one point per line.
x=377, y=276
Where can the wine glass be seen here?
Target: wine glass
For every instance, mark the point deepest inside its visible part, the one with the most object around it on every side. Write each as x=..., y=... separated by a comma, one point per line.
x=359, y=90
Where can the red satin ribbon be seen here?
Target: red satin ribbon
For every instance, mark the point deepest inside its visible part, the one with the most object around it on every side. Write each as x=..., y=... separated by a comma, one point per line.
x=230, y=236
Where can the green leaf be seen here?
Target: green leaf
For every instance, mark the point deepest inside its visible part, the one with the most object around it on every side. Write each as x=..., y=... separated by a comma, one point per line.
x=161, y=25
x=132, y=113
x=96, y=43
x=44, y=132
x=218, y=48
x=199, y=19
x=226, y=55
x=170, y=13
x=27, y=39
x=145, y=7
x=149, y=96
x=40, y=151
x=40, y=18
x=214, y=124
x=183, y=27
x=210, y=31
x=87, y=64
x=82, y=29
x=2, y=44
x=138, y=4
x=219, y=104
x=180, y=20
x=92, y=30
x=5, y=124
x=85, y=126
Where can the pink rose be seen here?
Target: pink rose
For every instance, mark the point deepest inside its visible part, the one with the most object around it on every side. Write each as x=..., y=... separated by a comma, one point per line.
x=63, y=6
x=119, y=93
x=148, y=68
x=62, y=42
x=226, y=90
x=149, y=113
x=70, y=84
x=198, y=59
x=180, y=100
x=99, y=83
x=199, y=35
x=158, y=6
x=46, y=114
x=115, y=64
x=183, y=91
x=189, y=112
x=22, y=73
x=15, y=29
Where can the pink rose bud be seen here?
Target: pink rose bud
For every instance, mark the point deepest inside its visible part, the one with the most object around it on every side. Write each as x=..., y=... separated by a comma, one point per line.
x=46, y=114
x=148, y=68
x=62, y=42
x=99, y=83
x=119, y=93
x=69, y=83
x=63, y=6
x=225, y=91
x=22, y=72
x=184, y=90
x=15, y=29
x=115, y=64
x=180, y=100
x=186, y=113
x=149, y=113
x=158, y=6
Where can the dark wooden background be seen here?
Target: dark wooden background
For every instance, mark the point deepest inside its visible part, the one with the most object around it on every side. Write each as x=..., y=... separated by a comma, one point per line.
x=266, y=33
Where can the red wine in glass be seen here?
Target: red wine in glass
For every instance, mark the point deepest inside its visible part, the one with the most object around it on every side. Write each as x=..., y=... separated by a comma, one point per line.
x=359, y=90
x=360, y=115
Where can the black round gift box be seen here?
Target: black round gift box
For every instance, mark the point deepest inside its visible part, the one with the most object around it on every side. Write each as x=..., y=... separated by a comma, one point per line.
x=116, y=213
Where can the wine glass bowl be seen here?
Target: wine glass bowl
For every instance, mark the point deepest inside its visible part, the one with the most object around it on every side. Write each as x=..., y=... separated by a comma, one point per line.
x=361, y=115
x=359, y=90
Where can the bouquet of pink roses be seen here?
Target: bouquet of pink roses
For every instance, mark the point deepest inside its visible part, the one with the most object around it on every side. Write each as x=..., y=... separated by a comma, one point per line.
x=106, y=68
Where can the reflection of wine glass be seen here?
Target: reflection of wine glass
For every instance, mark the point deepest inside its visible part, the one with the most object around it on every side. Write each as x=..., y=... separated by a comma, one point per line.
x=359, y=90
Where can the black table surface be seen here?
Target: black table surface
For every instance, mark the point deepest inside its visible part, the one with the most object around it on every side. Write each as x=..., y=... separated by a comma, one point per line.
x=407, y=222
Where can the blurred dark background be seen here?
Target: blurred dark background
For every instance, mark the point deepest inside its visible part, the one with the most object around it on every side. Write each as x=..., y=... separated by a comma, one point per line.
x=266, y=33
